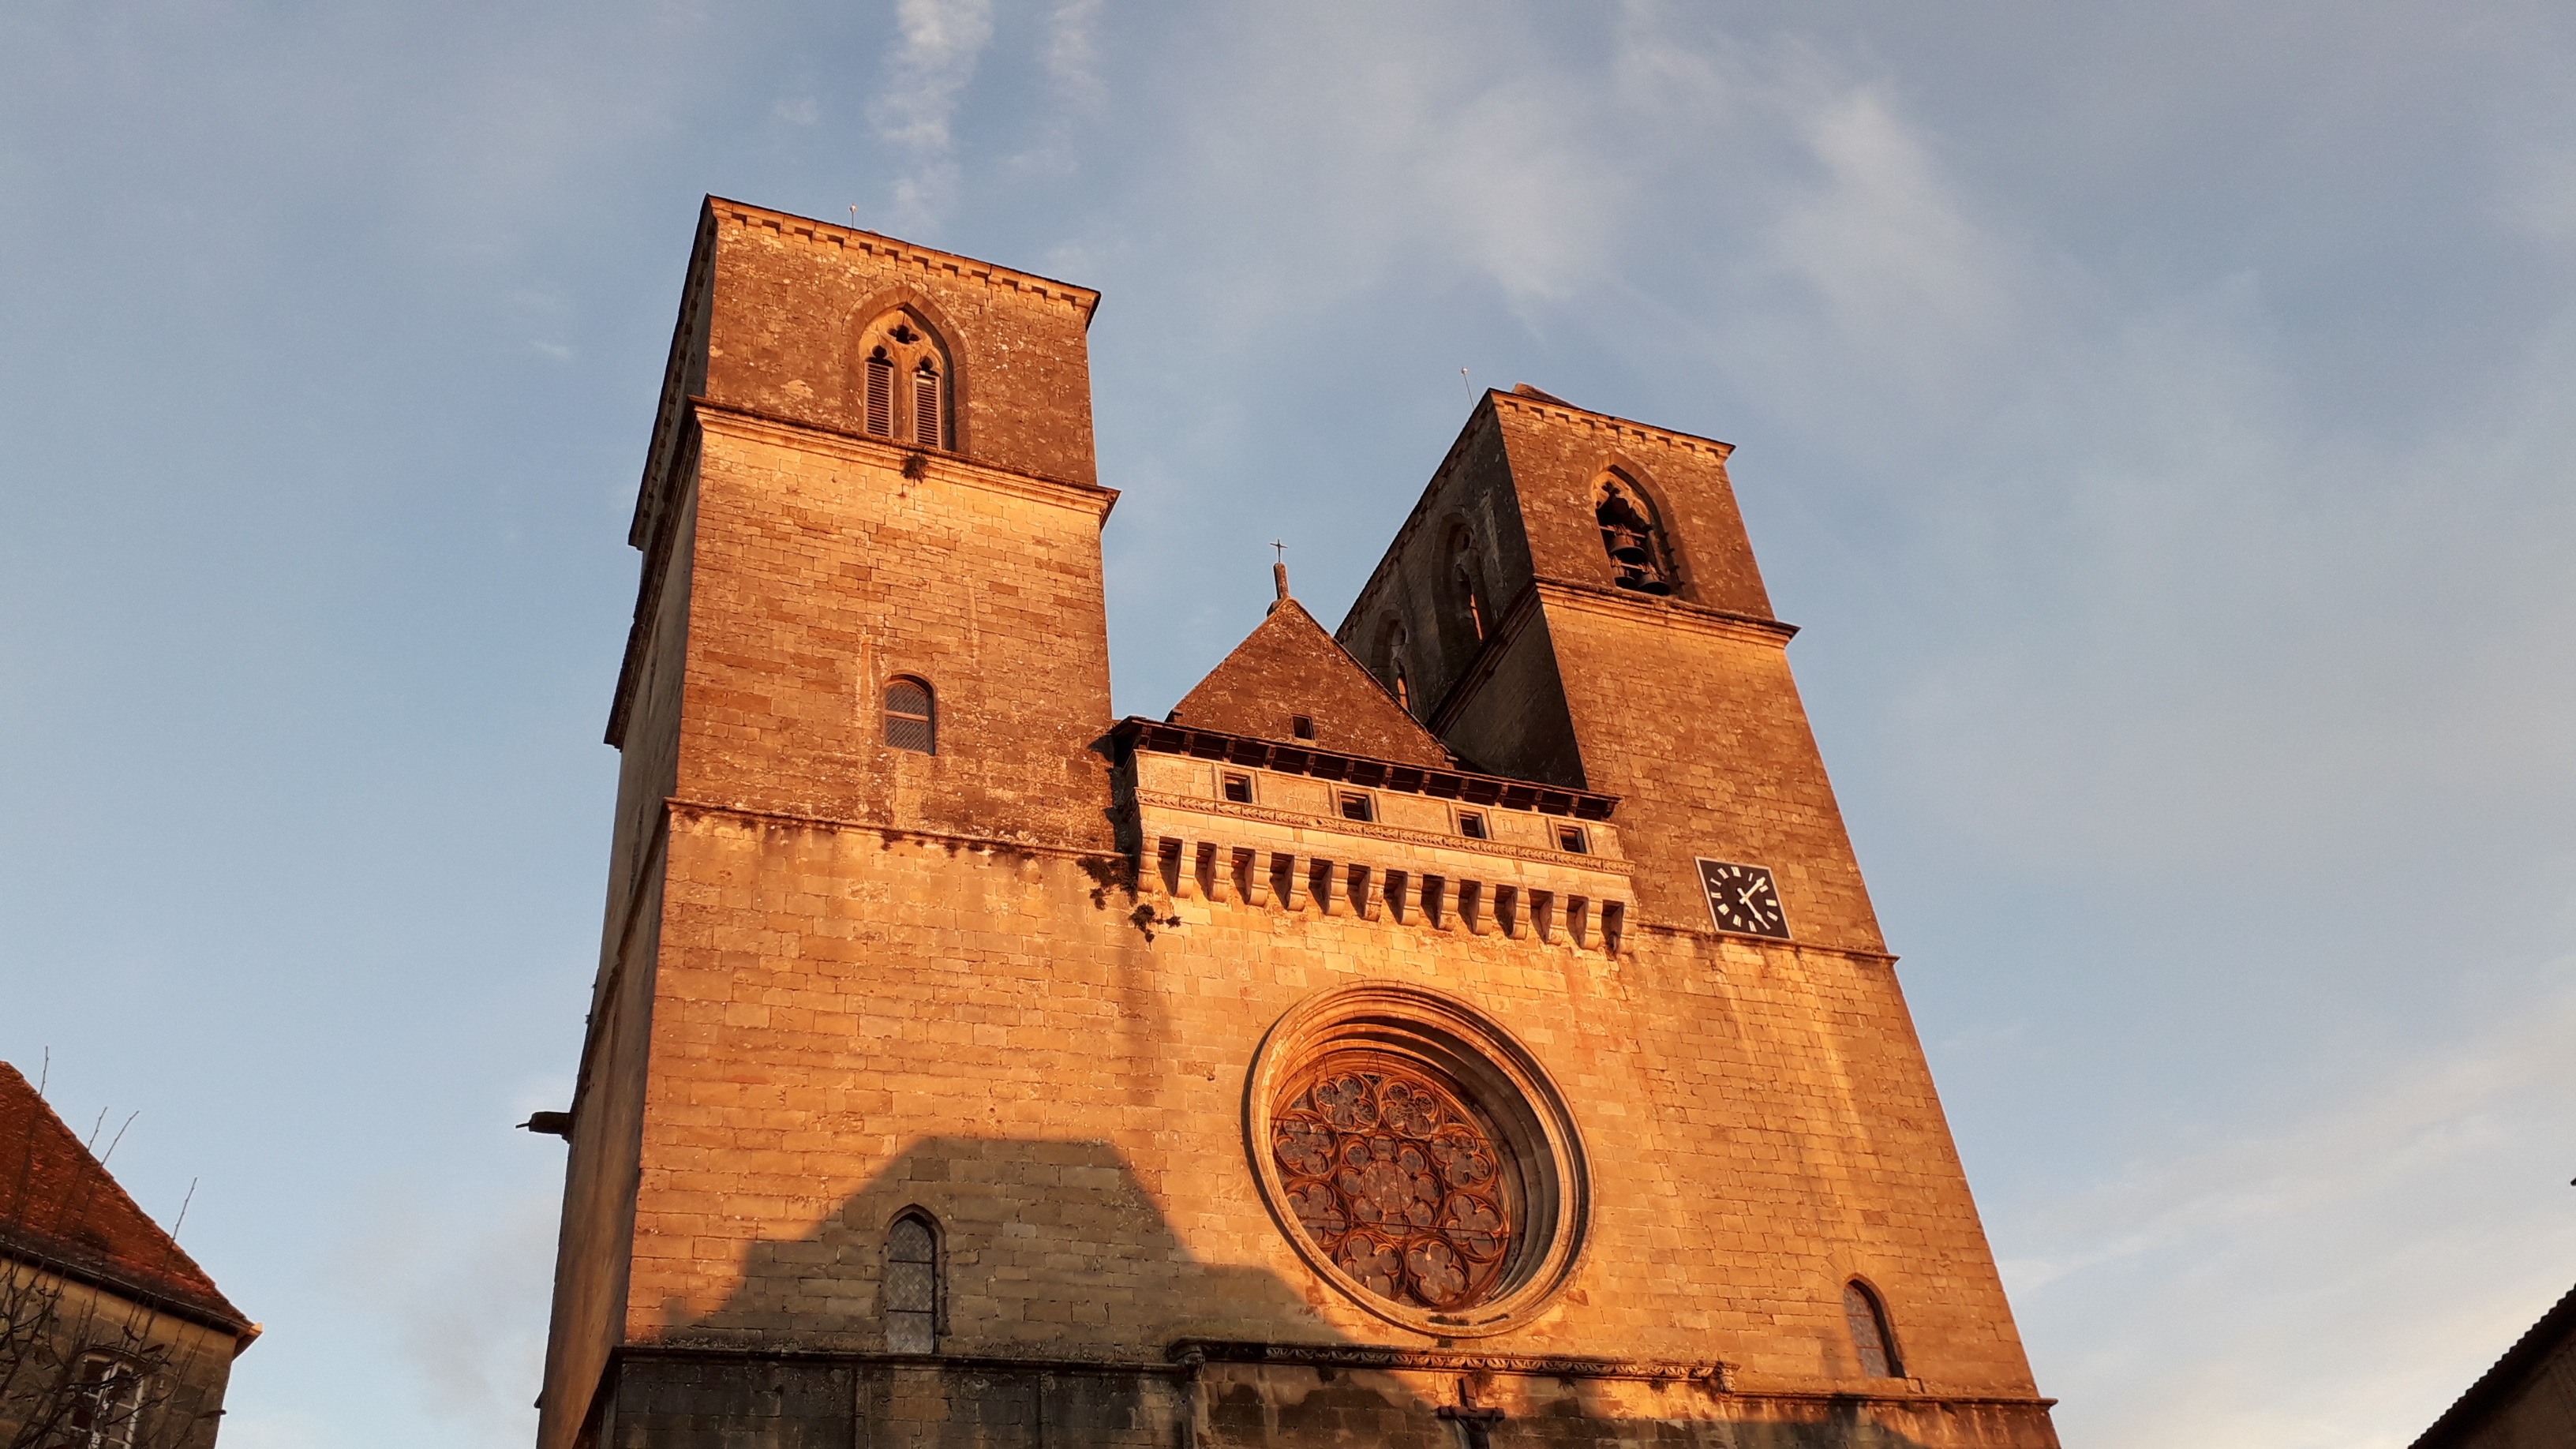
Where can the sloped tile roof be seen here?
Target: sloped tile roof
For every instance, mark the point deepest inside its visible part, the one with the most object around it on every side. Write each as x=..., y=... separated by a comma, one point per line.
x=60, y=1209
x=1291, y=666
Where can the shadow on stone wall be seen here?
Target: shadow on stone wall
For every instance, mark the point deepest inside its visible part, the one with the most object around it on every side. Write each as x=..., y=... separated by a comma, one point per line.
x=1065, y=1287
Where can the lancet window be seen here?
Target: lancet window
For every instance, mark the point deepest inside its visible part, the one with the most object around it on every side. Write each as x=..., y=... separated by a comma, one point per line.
x=911, y=715
x=912, y=1287
x=1867, y=1314
x=1639, y=557
x=908, y=392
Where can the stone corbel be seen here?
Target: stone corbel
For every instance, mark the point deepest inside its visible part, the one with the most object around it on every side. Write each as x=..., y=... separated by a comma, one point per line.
x=1321, y=880
x=1285, y=886
x=1363, y=901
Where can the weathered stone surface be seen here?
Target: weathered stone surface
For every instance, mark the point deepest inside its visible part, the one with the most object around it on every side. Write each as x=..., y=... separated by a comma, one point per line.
x=1021, y=984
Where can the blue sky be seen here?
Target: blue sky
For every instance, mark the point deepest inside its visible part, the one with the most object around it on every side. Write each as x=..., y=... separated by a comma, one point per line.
x=2157, y=416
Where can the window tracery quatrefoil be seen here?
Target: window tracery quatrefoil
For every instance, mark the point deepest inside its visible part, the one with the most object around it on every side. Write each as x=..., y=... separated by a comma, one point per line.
x=1390, y=1175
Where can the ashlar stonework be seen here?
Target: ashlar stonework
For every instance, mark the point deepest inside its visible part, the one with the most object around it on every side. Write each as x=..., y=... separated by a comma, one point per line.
x=1352, y=1057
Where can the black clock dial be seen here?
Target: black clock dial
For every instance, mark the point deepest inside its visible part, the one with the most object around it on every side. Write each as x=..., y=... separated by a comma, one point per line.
x=1741, y=898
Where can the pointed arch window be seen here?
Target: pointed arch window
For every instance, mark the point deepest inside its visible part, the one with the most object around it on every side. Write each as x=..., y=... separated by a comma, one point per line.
x=912, y=1287
x=1632, y=538
x=1470, y=585
x=910, y=383
x=1871, y=1335
x=911, y=715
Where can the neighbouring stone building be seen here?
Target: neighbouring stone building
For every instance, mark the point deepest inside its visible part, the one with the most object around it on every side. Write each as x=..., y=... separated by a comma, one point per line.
x=2526, y=1400
x=1465, y=1027
x=110, y=1336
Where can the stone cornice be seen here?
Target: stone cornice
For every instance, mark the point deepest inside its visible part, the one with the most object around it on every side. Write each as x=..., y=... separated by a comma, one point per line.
x=823, y=233
x=1594, y=598
x=893, y=834
x=1437, y=1360
x=1602, y=864
x=1605, y=422
x=750, y=424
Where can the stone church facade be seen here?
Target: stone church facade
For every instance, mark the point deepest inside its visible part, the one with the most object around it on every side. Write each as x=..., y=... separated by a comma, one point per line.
x=1467, y=1026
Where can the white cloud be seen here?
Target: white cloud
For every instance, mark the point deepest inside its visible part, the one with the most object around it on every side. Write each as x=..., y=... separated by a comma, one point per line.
x=930, y=67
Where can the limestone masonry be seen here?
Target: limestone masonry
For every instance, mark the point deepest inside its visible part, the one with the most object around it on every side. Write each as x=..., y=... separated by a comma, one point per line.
x=1466, y=1027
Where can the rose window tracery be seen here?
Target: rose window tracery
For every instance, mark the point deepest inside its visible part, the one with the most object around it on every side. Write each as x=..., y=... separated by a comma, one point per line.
x=1397, y=1182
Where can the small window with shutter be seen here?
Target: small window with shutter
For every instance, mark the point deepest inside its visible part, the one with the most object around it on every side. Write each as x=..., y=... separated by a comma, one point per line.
x=912, y=1285
x=911, y=718
x=928, y=417
x=880, y=394
x=1471, y=824
x=1570, y=839
x=1867, y=1314
x=1238, y=788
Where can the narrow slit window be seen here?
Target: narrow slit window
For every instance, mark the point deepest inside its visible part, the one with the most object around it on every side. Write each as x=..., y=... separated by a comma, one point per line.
x=1870, y=1333
x=1302, y=726
x=1569, y=838
x=1238, y=788
x=1471, y=824
x=911, y=718
x=912, y=1286
x=1403, y=692
x=1356, y=806
x=881, y=394
x=928, y=417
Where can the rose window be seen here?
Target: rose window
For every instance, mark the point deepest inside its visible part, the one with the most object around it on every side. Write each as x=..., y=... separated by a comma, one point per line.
x=1396, y=1182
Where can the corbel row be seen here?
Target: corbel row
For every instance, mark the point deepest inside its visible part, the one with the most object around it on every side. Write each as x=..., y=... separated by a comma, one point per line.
x=1215, y=871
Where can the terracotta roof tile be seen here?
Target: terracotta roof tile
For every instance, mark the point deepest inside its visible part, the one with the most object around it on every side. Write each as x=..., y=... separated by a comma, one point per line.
x=60, y=1208
x=1289, y=667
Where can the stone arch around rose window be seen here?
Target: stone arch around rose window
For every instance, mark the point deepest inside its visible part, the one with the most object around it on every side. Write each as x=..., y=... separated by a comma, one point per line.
x=1418, y=1158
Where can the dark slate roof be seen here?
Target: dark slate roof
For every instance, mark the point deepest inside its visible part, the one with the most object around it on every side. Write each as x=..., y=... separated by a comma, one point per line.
x=1291, y=666
x=60, y=1210
x=2497, y=1385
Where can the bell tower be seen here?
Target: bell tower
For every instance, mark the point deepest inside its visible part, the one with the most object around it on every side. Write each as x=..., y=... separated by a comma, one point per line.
x=1469, y=1026
x=1631, y=650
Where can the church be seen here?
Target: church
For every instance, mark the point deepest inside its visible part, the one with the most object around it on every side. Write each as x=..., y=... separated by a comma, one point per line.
x=1462, y=1026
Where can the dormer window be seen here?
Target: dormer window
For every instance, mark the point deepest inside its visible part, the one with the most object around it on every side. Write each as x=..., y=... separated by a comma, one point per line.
x=907, y=390
x=1630, y=536
x=1301, y=725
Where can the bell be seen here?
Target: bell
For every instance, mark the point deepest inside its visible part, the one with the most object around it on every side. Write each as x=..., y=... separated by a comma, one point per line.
x=1631, y=555
x=1631, y=581
x=1656, y=587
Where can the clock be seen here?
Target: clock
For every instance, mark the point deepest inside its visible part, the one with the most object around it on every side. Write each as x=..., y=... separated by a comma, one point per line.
x=1741, y=898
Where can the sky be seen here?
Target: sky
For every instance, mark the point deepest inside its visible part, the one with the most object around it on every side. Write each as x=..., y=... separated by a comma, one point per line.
x=2157, y=417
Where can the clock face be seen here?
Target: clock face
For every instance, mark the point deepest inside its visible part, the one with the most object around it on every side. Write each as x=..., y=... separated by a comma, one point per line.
x=1741, y=898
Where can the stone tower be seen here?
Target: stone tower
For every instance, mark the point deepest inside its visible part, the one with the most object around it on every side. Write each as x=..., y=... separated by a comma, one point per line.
x=1466, y=1029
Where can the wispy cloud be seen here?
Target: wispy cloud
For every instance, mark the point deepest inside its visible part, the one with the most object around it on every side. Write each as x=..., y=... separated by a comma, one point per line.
x=931, y=65
x=2331, y=1279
